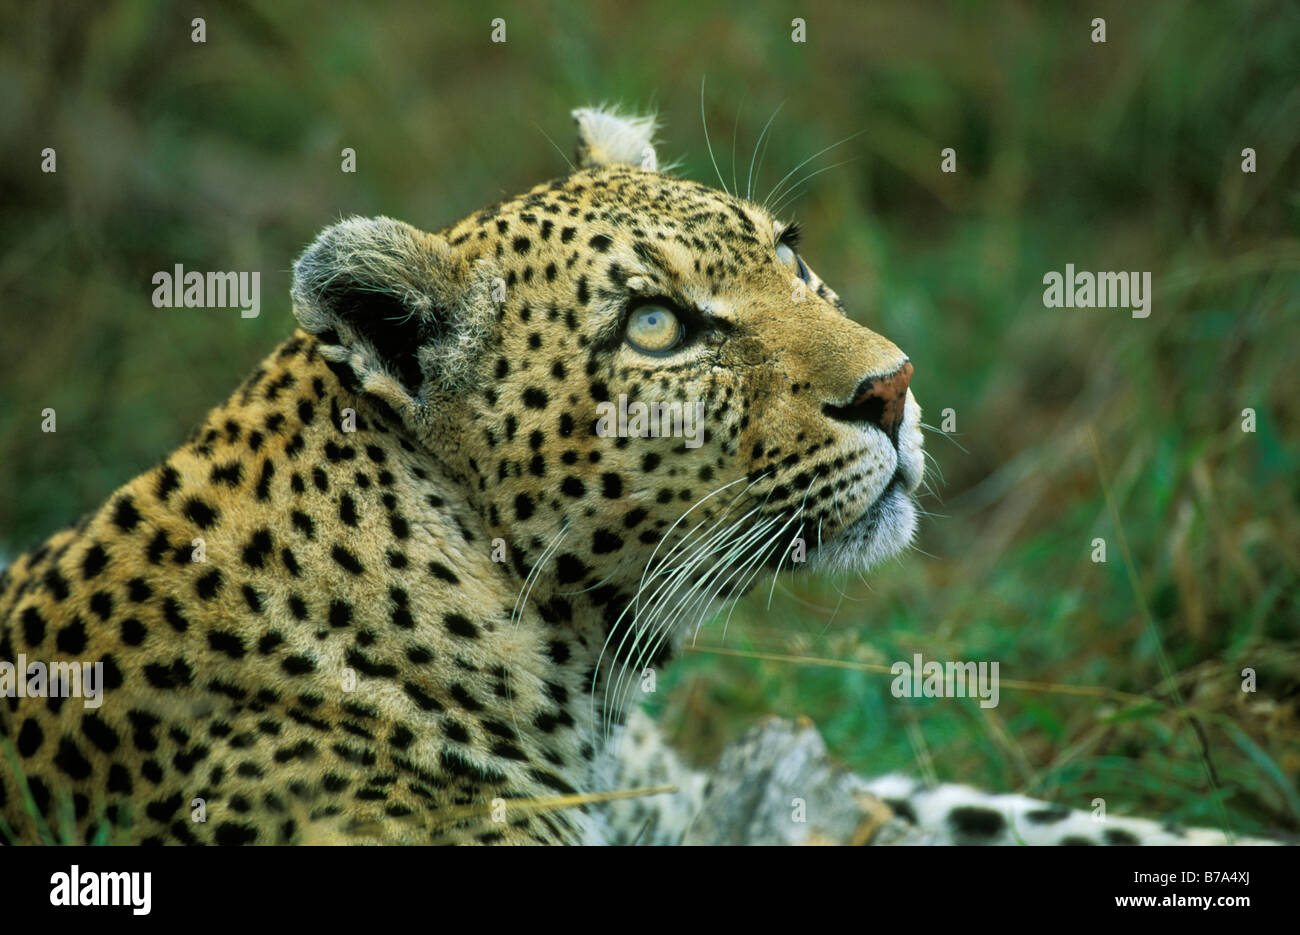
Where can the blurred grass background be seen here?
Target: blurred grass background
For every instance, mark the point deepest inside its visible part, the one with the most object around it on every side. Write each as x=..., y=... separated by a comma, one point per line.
x=1117, y=156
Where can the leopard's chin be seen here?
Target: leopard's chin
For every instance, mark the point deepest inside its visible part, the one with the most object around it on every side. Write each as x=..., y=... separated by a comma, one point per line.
x=883, y=530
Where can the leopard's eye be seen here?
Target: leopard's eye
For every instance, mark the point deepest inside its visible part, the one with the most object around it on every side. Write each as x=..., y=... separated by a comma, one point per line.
x=785, y=253
x=653, y=329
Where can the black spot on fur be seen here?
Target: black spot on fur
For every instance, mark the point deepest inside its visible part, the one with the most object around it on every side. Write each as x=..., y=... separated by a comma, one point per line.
x=33, y=630
x=423, y=700
x=228, y=643
x=458, y=625
x=1046, y=816
x=208, y=585
x=231, y=833
x=340, y=614
x=133, y=631
x=173, y=615
x=259, y=547
x=975, y=821
x=71, y=760
x=346, y=560
x=298, y=664
x=168, y=481
x=99, y=733
x=137, y=591
x=535, y=398
x=611, y=485
x=125, y=516
x=199, y=513
x=569, y=568
x=72, y=638
x=102, y=605
x=93, y=562
x=348, y=510
x=55, y=583
x=229, y=474
x=252, y=597
x=264, y=481
x=30, y=737
x=443, y=573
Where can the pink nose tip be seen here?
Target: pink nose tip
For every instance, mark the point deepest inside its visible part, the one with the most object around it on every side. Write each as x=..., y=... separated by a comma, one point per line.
x=879, y=401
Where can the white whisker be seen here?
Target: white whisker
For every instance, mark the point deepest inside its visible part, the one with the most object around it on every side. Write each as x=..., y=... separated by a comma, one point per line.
x=775, y=190
x=707, y=142
x=749, y=184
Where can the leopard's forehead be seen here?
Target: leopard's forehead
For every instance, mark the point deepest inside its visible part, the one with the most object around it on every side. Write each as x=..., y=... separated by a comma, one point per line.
x=660, y=216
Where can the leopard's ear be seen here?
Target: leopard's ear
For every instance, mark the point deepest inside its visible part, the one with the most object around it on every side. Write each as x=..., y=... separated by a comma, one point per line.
x=607, y=137
x=395, y=306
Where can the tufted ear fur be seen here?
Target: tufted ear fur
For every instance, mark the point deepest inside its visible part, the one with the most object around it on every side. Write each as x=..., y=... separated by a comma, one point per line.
x=397, y=307
x=606, y=137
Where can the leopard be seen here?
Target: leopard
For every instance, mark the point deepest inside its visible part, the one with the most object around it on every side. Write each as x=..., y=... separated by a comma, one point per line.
x=399, y=587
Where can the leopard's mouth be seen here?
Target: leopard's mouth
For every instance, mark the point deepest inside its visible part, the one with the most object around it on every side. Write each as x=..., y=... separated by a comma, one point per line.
x=884, y=529
x=896, y=492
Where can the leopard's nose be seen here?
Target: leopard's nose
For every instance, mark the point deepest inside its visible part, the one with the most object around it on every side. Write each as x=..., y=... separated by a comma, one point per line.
x=878, y=401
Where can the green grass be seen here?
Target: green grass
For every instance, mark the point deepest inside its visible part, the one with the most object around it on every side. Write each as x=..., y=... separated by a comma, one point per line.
x=1123, y=156
x=63, y=832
